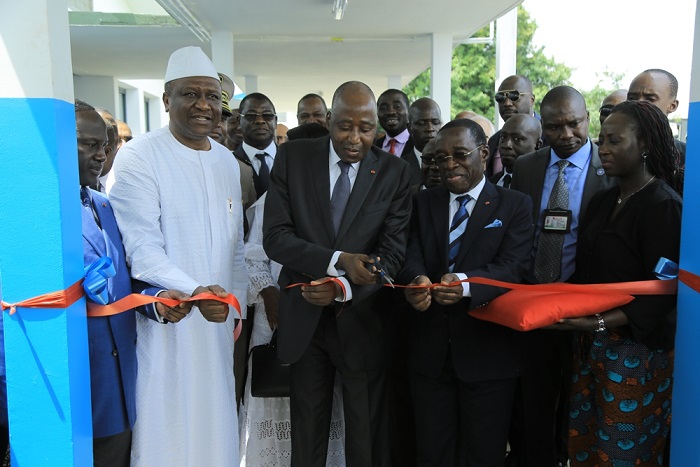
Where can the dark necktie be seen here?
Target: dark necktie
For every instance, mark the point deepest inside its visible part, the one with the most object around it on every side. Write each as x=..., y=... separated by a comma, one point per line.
x=457, y=228
x=86, y=199
x=549, y=248
x=341, y=194
x=506, y=181
x=392, y=146
x=264, y=171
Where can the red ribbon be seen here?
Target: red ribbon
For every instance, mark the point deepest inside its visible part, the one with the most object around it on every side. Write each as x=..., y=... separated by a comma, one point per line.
x=58, y=299
x=334, y=280
x=65, y=298
x=650, y=287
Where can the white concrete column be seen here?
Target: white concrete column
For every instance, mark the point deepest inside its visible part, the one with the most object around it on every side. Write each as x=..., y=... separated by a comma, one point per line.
x=251, y=84
x=98, y=91
x=441, y=73
x=394, y=82
x=506, y=49
x=222, y=52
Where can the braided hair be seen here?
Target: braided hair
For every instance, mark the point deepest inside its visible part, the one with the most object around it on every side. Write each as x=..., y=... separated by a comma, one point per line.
x=653, y=128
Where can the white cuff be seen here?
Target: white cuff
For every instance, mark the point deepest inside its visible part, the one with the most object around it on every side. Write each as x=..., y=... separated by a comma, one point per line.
x=332, y=271
x=466, y=290
x=159, y=318
x=348, y=291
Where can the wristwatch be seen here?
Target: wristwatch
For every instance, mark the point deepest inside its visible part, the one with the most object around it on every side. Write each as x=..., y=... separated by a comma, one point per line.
x=601, y=322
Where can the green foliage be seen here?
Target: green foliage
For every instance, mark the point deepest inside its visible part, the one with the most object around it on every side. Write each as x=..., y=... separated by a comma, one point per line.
x=474, y=71
x=594, y=98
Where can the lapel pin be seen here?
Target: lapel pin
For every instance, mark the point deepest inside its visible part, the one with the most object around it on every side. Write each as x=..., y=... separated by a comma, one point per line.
x=487, y=203
x=104, y=205
x=600, y=171
x=373, y=171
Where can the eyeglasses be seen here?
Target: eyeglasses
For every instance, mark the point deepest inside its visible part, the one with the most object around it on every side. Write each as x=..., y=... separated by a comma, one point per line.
x=501, y=96
x=457, y=157
x=428, y=160
x=253, y=117
x=606, y=110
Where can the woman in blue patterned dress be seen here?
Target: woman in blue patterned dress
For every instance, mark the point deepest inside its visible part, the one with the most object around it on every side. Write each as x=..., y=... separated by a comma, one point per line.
x=620, y=406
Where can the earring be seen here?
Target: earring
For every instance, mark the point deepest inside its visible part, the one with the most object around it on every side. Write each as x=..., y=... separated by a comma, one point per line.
x=644, y=160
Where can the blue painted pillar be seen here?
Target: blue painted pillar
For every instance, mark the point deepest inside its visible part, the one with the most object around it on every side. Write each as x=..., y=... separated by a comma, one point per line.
x=40, y=239
x=685, y=428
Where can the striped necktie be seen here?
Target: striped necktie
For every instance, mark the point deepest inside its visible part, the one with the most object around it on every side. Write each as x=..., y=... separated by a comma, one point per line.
x=457, y=228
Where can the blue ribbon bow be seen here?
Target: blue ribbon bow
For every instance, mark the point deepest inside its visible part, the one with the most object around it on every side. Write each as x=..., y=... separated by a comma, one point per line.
x=666, y=269
x=96, y=276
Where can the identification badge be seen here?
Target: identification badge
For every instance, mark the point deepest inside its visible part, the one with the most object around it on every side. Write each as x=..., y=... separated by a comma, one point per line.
x=556, y=221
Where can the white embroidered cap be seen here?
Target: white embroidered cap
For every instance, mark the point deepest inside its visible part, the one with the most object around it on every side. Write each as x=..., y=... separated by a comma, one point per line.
x=189, y=61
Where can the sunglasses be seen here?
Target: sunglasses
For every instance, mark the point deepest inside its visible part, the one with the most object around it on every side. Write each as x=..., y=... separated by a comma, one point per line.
x=457, y=157
x=606, y=110
x=252, y=116
x=501, y=96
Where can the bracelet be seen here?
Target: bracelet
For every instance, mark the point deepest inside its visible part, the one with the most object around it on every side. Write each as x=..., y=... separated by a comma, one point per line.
x=601, y=322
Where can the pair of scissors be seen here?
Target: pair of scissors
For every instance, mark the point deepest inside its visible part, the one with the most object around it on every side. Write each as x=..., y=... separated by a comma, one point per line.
x=379, y=269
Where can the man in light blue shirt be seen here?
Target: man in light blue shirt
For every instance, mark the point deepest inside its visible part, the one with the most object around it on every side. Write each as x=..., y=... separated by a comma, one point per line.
x=561, y=179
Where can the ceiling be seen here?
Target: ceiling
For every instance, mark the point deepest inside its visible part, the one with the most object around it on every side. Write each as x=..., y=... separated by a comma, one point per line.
x=293, y=47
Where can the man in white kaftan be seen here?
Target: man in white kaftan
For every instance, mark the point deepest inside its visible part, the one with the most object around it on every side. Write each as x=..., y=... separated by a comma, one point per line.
x=177, y=199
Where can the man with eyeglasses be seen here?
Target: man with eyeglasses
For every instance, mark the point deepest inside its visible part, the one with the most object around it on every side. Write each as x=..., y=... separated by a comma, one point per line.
x=561, y=178
x=463, y=370
x=258, y=122
x=424, y=121
x=514, y=96
x=610, y=101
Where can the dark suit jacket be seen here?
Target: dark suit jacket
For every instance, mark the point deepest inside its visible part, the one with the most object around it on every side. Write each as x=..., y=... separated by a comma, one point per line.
x=112, y=339
x=409, y=156
x=530, y=169
x=241, y=155
x=298, y=233
x=480, y=350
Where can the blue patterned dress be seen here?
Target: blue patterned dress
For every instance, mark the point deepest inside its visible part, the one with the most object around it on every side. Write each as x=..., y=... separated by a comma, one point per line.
x=620, y=406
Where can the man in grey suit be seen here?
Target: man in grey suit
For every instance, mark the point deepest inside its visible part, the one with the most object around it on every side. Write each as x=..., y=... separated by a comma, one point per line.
x=561, y=179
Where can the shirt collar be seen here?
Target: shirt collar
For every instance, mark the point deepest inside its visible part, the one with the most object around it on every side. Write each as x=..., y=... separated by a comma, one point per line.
x=401, y=137
x=579, y=158
x=474, y=192
x=334, y=158
x=271, y=150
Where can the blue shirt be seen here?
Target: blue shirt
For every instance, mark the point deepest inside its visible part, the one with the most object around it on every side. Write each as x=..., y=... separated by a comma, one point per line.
x=575, y=176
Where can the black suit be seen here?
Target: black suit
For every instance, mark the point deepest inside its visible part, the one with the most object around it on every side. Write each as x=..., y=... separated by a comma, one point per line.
x=540, y=413
x=464, y=369
x=409, y=156
x=299, y=234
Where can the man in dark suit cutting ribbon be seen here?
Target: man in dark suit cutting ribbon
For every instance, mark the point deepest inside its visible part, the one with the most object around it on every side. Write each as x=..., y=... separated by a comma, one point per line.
x=331, y=203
